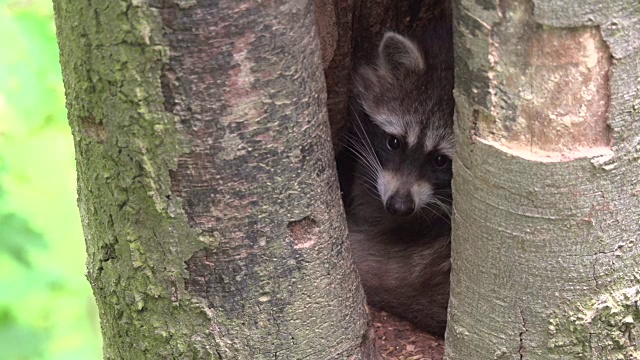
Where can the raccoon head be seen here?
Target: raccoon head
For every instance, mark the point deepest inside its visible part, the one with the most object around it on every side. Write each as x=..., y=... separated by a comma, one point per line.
x=407, y=102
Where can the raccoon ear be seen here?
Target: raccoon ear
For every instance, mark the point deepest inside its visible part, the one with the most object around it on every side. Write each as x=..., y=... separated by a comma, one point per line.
x=397, y=53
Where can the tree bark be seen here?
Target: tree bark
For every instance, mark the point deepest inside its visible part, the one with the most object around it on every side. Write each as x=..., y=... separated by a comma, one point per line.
x=206, y=181
x=546, y=262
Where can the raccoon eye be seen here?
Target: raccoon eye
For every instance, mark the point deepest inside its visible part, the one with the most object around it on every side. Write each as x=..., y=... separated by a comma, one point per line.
x=393, y=142
x=440, y=161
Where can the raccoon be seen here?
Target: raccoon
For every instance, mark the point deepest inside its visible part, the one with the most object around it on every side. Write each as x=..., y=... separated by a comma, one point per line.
x=397, y=179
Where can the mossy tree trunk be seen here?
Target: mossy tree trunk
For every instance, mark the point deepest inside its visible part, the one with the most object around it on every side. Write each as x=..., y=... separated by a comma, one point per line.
x=546, y=260
x=206, y=181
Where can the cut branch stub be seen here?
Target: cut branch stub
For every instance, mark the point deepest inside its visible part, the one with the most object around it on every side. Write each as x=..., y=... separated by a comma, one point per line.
x=549, y=90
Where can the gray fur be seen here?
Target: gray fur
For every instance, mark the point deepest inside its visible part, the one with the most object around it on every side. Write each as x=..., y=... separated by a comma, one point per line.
x=403, y=261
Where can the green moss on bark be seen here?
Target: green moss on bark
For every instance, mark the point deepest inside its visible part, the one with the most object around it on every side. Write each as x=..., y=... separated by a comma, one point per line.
x=126, y=145
x=608, y=326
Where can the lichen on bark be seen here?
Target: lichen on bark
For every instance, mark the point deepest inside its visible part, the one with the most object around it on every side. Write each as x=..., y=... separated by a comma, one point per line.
x=125, y=147
x=605, y=327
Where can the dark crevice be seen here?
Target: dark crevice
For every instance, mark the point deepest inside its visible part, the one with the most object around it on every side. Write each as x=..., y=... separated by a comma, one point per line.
x=595, y=273
x=109, y=253
x=415, y=7
x=522, y=349
x=167, y=83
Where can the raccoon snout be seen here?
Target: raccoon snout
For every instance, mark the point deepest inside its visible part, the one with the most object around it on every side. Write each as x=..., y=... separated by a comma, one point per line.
x=400, y=204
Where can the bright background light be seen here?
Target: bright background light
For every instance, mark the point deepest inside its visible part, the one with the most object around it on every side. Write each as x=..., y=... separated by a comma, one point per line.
x=47, y=309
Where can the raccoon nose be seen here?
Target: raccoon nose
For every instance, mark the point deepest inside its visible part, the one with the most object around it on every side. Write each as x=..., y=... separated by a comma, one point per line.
x=400, y=205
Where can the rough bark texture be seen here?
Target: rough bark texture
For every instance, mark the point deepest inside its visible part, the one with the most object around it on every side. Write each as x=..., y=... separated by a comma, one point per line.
x=207, y=186
x=546, y=260
x=351, y=31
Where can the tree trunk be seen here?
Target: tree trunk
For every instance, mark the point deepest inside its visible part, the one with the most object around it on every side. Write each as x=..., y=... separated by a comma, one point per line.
x=546, y=262
x=207, y=187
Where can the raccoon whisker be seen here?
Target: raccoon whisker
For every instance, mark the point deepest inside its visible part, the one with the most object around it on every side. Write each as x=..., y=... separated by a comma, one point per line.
x=356, y=151
x=373, y=176
x=369, y=174
x=443, y=198
x=372, y=159
x=371, y=191
x=442, y=206
x=366, y=154
x=444, y=218
x=358, y=145
x=434, y=212
x=440, y=201
x=424, y=215
x=370, y=147
x=373, y=188
x=370, y=183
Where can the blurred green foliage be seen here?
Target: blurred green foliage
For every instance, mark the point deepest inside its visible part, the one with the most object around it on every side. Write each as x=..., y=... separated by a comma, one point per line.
x=47, y=310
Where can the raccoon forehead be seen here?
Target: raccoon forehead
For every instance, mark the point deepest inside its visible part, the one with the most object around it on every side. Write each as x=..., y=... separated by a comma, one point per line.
x=440, y=140
x=406, y=128
x=435, y=137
